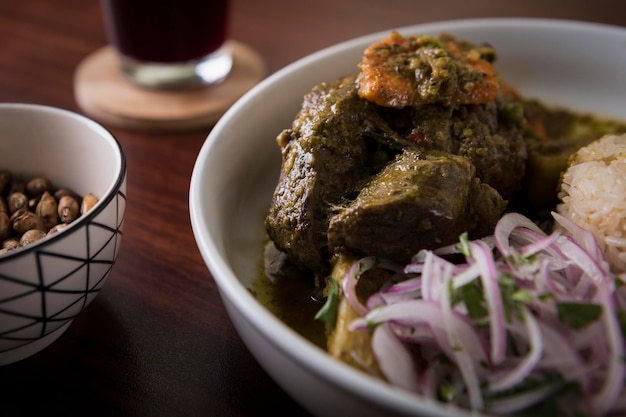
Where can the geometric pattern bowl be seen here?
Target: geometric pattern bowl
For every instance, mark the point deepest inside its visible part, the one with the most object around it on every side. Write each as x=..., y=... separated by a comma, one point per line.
x=45, y=285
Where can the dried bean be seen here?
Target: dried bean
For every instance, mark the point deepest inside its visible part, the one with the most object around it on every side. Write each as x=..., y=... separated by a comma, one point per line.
x=38, y=185
x=32, y=203
x=47, y=210
x=89, y=201
x=57, y=228
x=24, y=220
x=31, y=210
x=31, y=236
x=68, y=209
x=11, y=243
x=17, y=201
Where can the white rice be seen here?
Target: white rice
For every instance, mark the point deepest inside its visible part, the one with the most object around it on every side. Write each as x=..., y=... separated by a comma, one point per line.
x=593, y=195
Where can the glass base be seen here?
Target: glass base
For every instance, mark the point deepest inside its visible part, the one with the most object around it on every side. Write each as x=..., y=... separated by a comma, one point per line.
x=206, y=71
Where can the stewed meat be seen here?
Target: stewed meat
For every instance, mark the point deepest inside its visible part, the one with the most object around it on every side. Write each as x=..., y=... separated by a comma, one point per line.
x=418, y=201
x=362, y=172
x=331, y=148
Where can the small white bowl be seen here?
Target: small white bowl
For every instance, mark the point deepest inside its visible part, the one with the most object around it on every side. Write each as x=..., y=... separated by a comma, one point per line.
x=45, y=285
x=575, y=64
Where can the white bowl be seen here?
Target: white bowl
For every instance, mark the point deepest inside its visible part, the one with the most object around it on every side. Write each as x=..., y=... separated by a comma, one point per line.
x=45, y=285
x=575, y=64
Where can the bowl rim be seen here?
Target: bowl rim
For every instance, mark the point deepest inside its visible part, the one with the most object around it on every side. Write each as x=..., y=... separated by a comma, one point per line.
x=102, y=203
x=279, y=334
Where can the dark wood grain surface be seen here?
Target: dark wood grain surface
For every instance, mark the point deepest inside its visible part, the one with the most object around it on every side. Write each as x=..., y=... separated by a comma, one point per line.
x=157, y=341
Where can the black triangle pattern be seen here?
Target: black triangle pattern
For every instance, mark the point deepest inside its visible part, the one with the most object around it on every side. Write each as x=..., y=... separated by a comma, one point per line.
x=58, y=283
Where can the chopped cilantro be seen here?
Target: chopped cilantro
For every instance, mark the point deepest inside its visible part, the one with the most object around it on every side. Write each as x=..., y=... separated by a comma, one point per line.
x=512, y=296
x=473, y=297
x=463, y=248
x=522, y=296
x=545, y=296
x=447, y=392
x=578, y=315
x=328, y=312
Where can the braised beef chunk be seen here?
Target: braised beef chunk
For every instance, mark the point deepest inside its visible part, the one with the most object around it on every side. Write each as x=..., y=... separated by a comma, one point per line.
x=390, y=177
x=418, y=201
x=493, y=143
x=332, y=146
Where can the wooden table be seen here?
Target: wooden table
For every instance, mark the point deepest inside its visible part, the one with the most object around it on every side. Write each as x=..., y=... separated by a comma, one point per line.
x=157, y=341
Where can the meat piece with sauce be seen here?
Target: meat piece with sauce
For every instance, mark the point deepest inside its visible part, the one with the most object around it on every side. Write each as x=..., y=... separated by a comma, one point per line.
x=418, y=201
x=332, y=147
x=463, y=126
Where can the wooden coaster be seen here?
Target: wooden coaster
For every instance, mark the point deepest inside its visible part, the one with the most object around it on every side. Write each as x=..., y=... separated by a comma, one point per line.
x=103, y=93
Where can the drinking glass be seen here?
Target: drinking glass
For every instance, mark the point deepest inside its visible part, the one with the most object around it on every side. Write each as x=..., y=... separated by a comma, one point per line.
x=169, y=44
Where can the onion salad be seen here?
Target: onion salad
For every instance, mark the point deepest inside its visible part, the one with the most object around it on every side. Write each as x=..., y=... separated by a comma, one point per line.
x=521, y=322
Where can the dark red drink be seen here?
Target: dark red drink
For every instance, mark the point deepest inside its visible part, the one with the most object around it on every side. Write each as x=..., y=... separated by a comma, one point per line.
x=166, y=31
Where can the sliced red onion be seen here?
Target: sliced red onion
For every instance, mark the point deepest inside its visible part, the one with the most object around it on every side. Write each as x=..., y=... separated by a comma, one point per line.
x=405, y=290
x=394, y=360
x=348, y=284
x=429, y=381
x=580, y=257
x=353, y=274
x=539, y=245
x=466, y=275
x=561, y=356
x=489, y=275
x=517, y=374
x=418, y=312
x=410, y=285
x=616, y=372
x=505, y=227
x=565, y=266
x=584, y=237
x=467, y=365
x=428, y=277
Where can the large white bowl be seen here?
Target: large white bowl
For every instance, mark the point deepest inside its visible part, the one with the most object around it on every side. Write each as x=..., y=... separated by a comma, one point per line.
x=575, y=64
x=45, y=285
